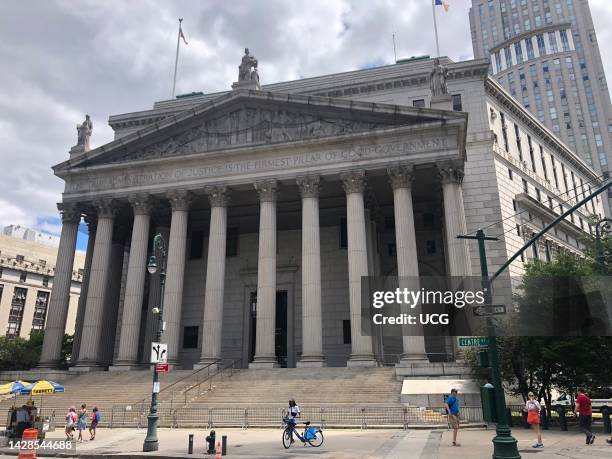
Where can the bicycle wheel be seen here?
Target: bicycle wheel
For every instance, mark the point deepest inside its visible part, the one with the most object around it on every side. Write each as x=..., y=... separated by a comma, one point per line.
x=287, y=438
x=317, y=441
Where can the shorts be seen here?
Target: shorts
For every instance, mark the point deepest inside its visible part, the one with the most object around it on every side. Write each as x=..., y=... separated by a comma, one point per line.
x=454, y=421
x=585, y=421
x=93, y=425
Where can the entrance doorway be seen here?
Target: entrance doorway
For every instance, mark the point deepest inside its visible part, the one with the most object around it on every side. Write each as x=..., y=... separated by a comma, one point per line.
x=280, y=332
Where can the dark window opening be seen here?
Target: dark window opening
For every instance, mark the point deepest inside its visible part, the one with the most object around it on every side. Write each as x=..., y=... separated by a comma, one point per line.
x=231, y=247
x=343, y=234
x=346, y=331
x=197, y=244
x=457, y=103
x=190, y=337
x=23, y=277
x=431, y=247
x=419, y=103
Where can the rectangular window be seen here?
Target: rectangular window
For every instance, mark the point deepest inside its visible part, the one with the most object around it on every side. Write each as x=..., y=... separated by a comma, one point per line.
x=543, y=161
x=197, y=244
x=420, y=103
x=541, y=45
x=190, y=337
x=574, y=185
x=518, y=49
x=564, y=41
x=514, y=205
x=538, y=195
x=518, y=229
x=552, y=41
x=529, y=46
x=343, y=234
x=510, y=173
x=550, y=203
x=40, y=310
x=16, y=312
x=346, y=331
x=23, y=276
x=45, y=281
x=525, y=186
x=518, y=141
x=554, y=169
x=508, y=56
x=564, y=177
x=231, y=245
x=457, y=103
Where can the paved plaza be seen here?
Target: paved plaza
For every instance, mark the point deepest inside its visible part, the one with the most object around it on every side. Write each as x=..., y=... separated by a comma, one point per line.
x=341, y=444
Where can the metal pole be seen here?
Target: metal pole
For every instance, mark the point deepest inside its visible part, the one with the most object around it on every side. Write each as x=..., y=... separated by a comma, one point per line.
x=178, y=43
x=602, y=227
x=504, y=444
x=151, y=442
x=433, y=9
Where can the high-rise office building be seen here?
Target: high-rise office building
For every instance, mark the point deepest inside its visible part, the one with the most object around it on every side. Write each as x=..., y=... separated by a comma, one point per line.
x=545, y=53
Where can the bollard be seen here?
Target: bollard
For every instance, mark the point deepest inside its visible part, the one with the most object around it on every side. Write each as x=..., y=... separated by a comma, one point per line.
x=223, y=445
x=562, y=419
x=605, y=414
x=190, y=449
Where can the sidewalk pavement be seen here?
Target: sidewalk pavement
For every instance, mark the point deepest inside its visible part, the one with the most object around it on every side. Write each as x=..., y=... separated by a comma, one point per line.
x=339, y=444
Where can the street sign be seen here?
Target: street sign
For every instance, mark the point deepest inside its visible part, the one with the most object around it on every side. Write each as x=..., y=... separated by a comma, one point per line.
x=161, y=367
x=489, y=310
x=473, y=342
x=156, y=387
x=159, y=353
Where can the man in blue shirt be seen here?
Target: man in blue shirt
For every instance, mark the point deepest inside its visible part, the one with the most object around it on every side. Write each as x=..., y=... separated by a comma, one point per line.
x=452, y=409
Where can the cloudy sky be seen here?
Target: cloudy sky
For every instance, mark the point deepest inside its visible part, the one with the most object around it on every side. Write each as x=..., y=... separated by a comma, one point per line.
x=62, y=59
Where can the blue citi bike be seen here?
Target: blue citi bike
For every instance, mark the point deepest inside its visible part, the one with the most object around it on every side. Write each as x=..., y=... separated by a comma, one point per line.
x=312, y=435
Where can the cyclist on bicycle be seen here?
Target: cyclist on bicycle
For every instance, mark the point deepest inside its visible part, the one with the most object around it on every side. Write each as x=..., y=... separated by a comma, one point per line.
x=293, y=412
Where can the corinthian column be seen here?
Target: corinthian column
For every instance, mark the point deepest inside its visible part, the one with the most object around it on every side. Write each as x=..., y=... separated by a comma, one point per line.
x=406, y=249
x=60, y=294
x=312, y=332
x=265, y=355
x=458, y=253
x=354, y=185
x=215, y=276
x=89, y=350
x=175, y=270
x=134, y=287
x=92, y=222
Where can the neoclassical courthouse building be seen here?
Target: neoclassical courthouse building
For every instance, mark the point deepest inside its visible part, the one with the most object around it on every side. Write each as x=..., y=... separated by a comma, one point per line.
x=275, y=200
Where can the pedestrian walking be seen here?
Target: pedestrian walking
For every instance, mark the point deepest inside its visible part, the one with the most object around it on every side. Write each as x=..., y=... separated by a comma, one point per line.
x=71, y=419
x=95, y=419
x=585, y=415
x=452, y=409
x=533, y=409
x=82, y=423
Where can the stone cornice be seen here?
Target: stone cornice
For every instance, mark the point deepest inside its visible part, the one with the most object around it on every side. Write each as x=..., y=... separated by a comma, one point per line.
x=513, y=106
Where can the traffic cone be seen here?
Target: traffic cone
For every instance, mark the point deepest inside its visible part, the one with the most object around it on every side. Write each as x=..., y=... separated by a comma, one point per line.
x=218, y=454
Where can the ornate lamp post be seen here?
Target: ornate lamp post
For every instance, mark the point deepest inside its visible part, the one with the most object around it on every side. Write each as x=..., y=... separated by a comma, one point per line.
x=151, y=443
x=602, y=227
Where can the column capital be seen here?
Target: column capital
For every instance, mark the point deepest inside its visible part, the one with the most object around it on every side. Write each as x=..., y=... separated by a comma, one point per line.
x=267, y=190
x=141, y=203
x=106, y=208
x=179, y=199
x=401, y=176
x=69, y=211
x=449, y=173
x=218, y=195
x=353, y=181
x=309, y=185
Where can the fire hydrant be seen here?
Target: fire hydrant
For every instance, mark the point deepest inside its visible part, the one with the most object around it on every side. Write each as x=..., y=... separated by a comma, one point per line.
x=211, y=442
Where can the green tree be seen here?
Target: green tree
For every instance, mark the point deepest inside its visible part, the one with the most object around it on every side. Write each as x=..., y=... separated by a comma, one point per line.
x=24, y=354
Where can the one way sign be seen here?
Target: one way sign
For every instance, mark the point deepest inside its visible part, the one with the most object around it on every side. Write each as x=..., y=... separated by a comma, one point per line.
x=159, y=353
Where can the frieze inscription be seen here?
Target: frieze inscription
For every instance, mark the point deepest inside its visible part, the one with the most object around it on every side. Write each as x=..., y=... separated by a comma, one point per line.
x=232, y=168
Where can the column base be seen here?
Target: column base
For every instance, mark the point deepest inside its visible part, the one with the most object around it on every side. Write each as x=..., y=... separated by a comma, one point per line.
x=49, y=365
x=311, y=361
x=361, y=360
x=264, y=363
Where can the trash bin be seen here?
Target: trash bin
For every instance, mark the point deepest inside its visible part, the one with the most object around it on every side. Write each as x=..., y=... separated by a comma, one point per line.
x=487, y=398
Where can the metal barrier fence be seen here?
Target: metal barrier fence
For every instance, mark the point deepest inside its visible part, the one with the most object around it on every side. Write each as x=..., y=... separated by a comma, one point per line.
x=271, y=416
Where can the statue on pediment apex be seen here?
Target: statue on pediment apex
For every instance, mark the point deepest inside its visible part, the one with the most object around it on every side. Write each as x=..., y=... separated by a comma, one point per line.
x=437, y=79
x=84, y=133
x=249, y=62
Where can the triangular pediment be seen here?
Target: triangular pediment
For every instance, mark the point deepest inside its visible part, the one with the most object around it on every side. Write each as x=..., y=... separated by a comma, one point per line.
x=245, y=119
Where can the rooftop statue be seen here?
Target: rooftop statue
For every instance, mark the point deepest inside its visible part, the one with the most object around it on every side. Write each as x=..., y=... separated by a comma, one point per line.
x=245, y=72
x=437, y=79
x=84, y=133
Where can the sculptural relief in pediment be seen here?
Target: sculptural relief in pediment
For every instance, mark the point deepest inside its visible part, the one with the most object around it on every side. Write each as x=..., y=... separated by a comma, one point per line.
x=250, y=126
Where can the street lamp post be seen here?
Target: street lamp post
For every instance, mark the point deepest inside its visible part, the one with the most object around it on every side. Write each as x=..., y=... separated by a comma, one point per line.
x=151, y=443
x=602, y=227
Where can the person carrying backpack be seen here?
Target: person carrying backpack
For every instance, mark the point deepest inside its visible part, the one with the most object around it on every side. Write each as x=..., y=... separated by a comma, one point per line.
x=452, y=408
x=95, y=419
x=533, y=409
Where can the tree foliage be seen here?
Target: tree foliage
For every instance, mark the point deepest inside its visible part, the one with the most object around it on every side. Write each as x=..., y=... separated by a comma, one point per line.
x=24, y=354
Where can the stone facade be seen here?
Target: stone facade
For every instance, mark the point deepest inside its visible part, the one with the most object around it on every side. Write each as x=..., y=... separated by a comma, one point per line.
x=274, y=203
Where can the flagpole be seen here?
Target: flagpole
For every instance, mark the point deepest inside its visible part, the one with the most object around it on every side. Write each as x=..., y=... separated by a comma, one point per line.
x=433, y=9
x=178, y=43
x=394, y=50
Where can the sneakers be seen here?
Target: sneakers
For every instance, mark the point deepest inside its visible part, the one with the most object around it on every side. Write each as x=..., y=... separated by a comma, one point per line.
x=592, y=439
x=609, y=442
x=538, y=445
